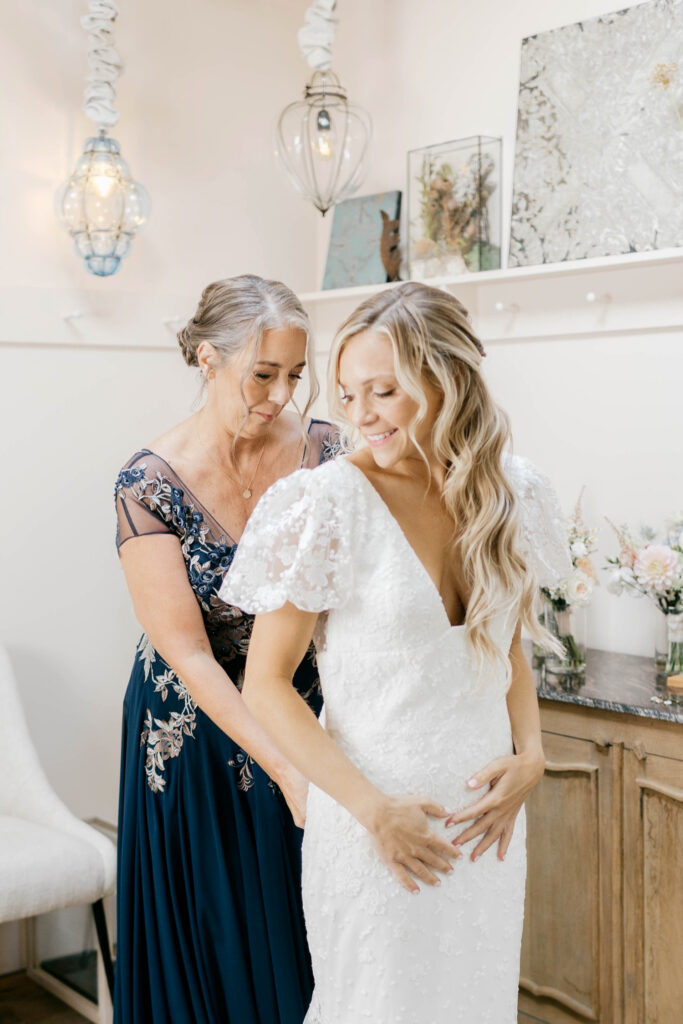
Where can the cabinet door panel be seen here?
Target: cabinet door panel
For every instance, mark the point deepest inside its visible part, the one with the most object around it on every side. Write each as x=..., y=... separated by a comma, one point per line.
x=653, y=872
x=565, y=957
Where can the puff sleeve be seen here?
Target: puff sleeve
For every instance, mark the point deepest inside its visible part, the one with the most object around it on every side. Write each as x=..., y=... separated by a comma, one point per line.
x=542, y=531
x=296, y=547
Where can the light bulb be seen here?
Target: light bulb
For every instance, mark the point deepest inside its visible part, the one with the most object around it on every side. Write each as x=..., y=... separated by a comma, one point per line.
x=322, y=146
x=104, y=184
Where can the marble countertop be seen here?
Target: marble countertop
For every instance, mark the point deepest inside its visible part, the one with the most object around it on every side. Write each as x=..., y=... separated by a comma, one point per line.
x=615, y=682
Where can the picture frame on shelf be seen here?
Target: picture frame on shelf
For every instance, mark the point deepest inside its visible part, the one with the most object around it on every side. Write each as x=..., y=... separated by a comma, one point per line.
x=364, y=242
x=599, y=143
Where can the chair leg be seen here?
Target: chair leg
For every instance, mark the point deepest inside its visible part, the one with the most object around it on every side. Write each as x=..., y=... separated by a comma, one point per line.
x=103, y=941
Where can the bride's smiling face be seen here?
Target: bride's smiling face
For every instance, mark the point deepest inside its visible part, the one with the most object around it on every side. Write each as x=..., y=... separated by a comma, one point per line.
x=376, y=404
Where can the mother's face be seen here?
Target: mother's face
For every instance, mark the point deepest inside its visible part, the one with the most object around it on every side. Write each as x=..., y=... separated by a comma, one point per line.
x=268, y=386
x=376, y=404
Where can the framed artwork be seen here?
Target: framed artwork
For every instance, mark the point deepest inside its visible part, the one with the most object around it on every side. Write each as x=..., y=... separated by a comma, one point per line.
x=599, y=149
x=454, y=208
x=364, y=243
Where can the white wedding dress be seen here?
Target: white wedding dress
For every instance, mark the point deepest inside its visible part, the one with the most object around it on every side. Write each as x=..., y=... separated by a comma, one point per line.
x=404, y=702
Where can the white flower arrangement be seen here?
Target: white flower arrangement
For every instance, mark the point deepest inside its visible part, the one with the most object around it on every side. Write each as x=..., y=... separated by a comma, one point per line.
x=646, y=568
x=577, y=589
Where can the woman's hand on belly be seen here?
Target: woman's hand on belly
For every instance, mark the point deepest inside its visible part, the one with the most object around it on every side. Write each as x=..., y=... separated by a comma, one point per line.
x=402, y=836
x=510, y=780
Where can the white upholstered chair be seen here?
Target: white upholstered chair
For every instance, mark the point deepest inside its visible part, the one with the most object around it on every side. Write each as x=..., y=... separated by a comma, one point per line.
x=48, y=858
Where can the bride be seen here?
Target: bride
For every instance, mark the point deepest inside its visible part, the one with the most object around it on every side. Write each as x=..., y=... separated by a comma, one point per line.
x=413, y=564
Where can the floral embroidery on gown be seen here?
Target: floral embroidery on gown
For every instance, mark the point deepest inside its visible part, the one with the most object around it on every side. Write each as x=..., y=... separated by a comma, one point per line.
x=405, y=703
x=210, y=924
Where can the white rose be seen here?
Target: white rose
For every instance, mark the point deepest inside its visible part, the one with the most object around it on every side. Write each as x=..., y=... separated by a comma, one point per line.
x=579, y=588
x=579, y=549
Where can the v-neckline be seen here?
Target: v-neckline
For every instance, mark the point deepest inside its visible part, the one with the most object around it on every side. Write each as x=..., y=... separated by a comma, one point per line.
x=187, y=490
x=406, y=543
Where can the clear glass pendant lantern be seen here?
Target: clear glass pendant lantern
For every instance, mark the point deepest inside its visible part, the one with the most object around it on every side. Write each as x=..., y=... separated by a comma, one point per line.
x=323, y=142
x=101, y=206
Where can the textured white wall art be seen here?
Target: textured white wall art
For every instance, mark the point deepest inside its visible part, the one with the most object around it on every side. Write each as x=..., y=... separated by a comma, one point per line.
x=599, y=150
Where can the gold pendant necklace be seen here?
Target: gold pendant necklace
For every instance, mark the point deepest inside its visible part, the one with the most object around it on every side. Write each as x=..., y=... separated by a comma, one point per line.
x=246, y=489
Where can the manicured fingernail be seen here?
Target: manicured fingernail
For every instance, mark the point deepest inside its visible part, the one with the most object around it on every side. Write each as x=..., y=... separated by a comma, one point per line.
x=450, y=824
x=456, y=842
x=472, y=783
x=437, y=882
x=475, y=857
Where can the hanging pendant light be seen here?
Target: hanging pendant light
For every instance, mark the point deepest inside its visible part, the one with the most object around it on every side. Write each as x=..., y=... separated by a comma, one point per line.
x=323, y=141
x=101, y=205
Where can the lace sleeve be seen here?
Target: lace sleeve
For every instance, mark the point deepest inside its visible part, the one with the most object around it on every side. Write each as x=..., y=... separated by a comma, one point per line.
x=142, y=504
x=294, y=548
x=543, y=534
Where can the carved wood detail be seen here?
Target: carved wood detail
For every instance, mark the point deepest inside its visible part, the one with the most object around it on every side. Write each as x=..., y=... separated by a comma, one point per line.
x=547, y=992
x=561, y=945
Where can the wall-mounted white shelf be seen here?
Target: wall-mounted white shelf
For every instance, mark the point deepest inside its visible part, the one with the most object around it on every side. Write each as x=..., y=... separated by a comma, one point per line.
x=639, y=293
x=635, y=294
x=510, y=275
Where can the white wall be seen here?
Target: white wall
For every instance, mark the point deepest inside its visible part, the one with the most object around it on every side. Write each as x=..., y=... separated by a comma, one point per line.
x=594, y=411
x=201, y=89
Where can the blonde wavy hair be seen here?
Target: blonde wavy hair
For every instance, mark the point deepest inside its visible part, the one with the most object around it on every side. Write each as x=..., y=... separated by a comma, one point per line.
x=433, y=341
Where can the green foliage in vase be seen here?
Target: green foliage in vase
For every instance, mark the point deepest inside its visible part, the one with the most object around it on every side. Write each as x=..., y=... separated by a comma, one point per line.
x=453, y=208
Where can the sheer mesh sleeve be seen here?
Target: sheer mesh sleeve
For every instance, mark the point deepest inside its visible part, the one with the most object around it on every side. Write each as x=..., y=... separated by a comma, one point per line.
x=141, y=505
x=543, y=534
x=324, y=443
x=295, y=548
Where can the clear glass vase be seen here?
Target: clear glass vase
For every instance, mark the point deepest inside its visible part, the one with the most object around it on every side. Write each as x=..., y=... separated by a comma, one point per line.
x=538, y=654
x=570, y=627
x=669, y=643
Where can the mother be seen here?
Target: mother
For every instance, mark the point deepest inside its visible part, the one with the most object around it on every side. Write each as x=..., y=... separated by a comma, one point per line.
x=210, y=927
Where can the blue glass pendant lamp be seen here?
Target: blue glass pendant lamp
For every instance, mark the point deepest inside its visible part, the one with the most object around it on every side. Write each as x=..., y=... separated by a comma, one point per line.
x=101, y=205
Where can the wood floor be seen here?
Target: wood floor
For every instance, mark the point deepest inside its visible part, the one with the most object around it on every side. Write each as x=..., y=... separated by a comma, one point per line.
x=24, y=1002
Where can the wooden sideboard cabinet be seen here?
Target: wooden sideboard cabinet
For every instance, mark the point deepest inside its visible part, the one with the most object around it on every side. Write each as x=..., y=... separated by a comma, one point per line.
x=603, y=933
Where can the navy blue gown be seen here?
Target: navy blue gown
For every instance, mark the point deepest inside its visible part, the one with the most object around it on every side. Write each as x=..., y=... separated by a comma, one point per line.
x=209, y=916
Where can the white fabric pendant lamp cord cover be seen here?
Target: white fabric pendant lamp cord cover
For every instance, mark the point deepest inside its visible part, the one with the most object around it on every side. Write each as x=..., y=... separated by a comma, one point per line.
x=101, y=205
x=323, y=140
